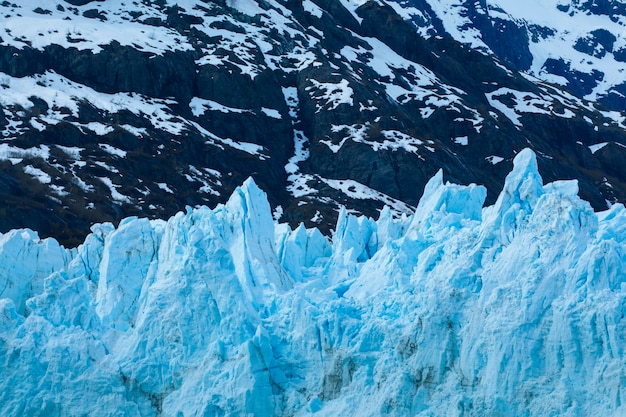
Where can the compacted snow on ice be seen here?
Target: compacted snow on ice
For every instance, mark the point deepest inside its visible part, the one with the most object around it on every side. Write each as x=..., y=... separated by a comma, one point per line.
x=516, y=309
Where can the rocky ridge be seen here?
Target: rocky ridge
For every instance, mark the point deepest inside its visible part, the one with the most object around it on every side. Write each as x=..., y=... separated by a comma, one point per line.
x=115, y=108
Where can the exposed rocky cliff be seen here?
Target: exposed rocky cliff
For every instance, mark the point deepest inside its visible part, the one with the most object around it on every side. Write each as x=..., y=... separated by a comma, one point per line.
x=115, y=108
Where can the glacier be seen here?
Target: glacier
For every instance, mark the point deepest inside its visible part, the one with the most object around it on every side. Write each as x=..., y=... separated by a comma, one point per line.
x=515, y=309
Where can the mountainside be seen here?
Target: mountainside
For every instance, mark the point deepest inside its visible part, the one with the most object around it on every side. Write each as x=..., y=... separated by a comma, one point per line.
x=515, y=309
x=577, y=44
x=116, y=108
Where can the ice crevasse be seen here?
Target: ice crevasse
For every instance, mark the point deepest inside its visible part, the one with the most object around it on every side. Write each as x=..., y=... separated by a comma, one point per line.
x=515, y=309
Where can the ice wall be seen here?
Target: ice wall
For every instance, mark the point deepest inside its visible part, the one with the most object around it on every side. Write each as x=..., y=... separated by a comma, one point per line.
x=459, y=310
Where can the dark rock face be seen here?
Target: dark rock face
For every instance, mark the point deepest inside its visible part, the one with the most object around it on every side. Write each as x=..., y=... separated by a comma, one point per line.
x=121, y=68
x=322, y=105
x=616, y=97
x=81, y=2
x=603, y=7
x=579, y=83
x=507, y=39
x=597, y=44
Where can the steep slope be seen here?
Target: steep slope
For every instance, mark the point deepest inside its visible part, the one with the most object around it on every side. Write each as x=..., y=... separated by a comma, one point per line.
x=115, y=108
x=456, y=310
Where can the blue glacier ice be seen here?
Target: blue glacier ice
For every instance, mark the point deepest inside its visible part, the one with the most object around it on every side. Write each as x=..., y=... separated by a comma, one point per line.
x=515, y=309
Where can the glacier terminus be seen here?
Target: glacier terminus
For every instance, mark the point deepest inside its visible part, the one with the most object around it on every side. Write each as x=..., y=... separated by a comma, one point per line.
x=514, y=309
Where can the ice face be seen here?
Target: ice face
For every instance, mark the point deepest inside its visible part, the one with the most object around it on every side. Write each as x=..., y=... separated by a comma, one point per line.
x=25, y=260
x=513, y=309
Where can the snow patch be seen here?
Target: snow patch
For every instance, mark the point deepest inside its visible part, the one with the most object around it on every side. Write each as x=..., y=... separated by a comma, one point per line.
x=494, y=159
x=38, y=174
x=330, y=95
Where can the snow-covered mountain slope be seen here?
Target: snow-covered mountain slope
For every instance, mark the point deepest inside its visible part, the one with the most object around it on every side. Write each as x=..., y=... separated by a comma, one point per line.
x=116, y=108
x=578, y=44
x=457, y=310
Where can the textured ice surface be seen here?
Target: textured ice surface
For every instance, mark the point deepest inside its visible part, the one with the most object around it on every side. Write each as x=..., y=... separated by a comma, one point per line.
x=511, y=310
